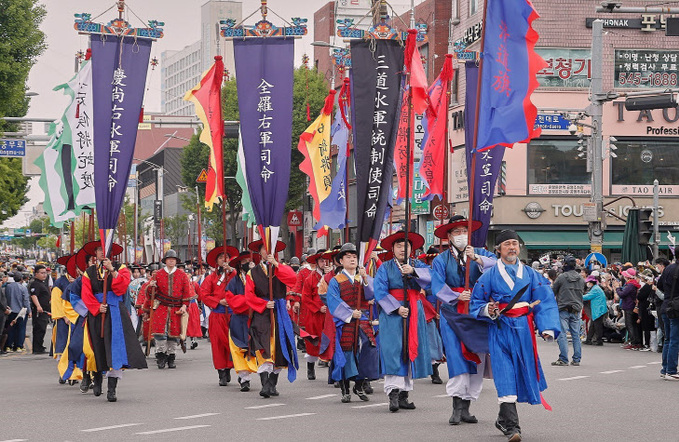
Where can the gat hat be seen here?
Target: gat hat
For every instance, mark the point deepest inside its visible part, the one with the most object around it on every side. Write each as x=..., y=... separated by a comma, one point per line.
x=428, y=257
x=72, y=267
x=312, y=259
x=385, y=255
x=506, y=235
x=92, y=246
x=455, y=222
x=629, y=273
x=256, y=245
x=235, y=262
x=170, y=254
x=346, y=248
x=211, y=257
x=63, y=260
x=415, y=239
x=331, y=255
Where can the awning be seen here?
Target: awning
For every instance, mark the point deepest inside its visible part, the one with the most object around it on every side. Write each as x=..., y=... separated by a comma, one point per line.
x=566, y=240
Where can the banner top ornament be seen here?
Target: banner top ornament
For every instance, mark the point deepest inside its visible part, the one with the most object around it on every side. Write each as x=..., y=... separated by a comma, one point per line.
x=118, y=26
x=378, y=31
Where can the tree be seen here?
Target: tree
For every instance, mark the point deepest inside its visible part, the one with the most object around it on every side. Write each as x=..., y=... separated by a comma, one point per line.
x=175, y=228
x=21, y=42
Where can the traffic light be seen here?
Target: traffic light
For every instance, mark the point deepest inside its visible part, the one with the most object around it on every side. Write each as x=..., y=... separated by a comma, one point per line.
x=645, y=226
x=646, y=102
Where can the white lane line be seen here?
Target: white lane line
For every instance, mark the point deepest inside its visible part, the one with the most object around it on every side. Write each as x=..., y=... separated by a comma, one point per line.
x=611, y=371
x=196, y=416
x=654, y=363
x=441, y=395
x=573, y=378
x=284, y=416
x=169, y=430
x=259, y=407
x=91, y=430
x=321, y=397
x=371, y=405
x=634, y=367
x=14, y=440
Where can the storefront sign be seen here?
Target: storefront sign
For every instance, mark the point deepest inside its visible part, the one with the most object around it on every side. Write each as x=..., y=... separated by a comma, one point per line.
x=647, y=22
x=533, y=210
x=471, y=35
x=625, y=189
x=559, y=189
x=551, y=122
x=570, y=68
x=578, y=210
x=642, y=68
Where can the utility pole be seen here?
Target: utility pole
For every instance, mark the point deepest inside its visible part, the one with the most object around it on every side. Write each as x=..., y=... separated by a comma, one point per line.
x=596, y=227
x=656, y=228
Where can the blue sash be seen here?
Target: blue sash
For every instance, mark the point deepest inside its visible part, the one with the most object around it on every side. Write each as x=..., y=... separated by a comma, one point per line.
x=118, y=349
x=287, y=338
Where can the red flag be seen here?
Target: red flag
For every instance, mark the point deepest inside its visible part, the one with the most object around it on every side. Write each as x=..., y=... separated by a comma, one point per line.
x=434, y=150
x=207, y=97
x=58, y=244
x=418, y=78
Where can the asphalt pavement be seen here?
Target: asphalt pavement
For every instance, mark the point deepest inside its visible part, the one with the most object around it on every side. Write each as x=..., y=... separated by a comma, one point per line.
x=614, y=395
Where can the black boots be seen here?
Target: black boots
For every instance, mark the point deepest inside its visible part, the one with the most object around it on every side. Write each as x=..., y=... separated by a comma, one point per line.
x=98, y=378
x=264, y=378
x=170, y=361
x=435, y=378
x=273, y=381
x=403, y=401
x=393, y=400
x=85, y=384
x=461, y=412
x=346, y=394
x=244, y=385
x=161, y=359
x=222, y=377
x=508, y=422
x=358, y=390
x=311, y=371
x=111, y=394
x=367, y=387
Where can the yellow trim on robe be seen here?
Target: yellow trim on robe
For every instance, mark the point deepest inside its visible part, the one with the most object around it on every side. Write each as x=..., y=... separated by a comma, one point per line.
x=241, y=360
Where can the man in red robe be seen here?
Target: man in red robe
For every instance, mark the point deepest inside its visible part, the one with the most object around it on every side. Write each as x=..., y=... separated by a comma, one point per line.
x=173, y=295
x=213, y=294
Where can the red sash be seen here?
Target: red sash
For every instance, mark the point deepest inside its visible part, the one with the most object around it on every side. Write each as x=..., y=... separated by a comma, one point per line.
x=525, y=311
x=462, y=308
x=413, y=297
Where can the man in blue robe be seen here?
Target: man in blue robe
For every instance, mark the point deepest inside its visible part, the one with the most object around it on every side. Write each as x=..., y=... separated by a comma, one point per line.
x=465, y=368
x=402, y=307
x=517, y=300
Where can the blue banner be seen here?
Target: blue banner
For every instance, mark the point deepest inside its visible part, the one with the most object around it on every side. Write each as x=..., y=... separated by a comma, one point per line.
x=334, y=207
x=119, y=67
x=264, y=69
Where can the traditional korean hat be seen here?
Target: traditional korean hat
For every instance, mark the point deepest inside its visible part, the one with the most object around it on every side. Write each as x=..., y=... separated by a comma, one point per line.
x=81, y=259
x=211, y=258
x=92, y=246
x=455, y=222
x=331, y=255
x=312, y=259
x=506, y=235
x=63, y=260
x=346, y=248
x=170, y=254
x=256, y=245
x=416, y=240
x=428, y=257
x=71, y=266
x=245, y=254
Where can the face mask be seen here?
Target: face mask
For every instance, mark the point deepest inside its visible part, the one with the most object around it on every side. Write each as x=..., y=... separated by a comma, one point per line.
x=460, y=241
x=245, y=266
x=295, y=268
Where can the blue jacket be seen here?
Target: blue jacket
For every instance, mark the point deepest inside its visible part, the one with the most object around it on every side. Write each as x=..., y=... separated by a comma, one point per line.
x=597, y=299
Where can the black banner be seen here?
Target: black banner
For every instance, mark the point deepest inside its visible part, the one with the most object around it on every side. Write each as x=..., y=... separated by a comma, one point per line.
x=376, y=93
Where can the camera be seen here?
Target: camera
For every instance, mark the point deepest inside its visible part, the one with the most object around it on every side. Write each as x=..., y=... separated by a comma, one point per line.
x=572, y=129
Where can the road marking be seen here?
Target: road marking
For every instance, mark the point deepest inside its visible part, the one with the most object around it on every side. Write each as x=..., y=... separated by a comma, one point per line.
x=284, y=416
x=91, y=430
x=654, y=363
x=441, y=395
x=195, y=416
x=371, y=405
x=14, y=440
x=573, y=378
x=169, y=430
x=321, y=397
x=611, y=371
x=634, y=367
x=259, y=407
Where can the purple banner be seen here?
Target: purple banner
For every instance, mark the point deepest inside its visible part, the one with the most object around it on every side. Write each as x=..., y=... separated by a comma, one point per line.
x=119, y=67
x=488, y=162
x=264, y=69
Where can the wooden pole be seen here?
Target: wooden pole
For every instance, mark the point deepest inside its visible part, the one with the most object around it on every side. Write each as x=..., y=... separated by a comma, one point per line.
x=200, y=233
x=72, y=237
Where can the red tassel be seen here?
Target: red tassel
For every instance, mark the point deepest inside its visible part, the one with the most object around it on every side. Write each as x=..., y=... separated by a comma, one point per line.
x=88, y=54
x=141, y=115
x=411, y=43
x=329, y=102
x=447, y=70
x=308, y=112
x=346, y=97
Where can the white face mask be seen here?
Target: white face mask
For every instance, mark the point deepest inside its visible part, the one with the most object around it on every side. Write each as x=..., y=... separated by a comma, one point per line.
x=460, y=241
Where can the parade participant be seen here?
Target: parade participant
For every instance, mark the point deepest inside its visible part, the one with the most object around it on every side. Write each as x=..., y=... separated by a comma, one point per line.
x=243, y=361
x=191, y=321
x=143, y=294
x=404, y=354
x=60, y=329
x=433, y=333
x=465, y=369
x=294, y=296
x=117, y=348
x=173, y=293
x=213, y=295
x=271, y=335
x=517, y=299
x=39, y=291
x=312, y=314
x=69, y=371
x=356, y=356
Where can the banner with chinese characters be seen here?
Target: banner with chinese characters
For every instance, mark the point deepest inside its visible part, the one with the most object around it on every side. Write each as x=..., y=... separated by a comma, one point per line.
x=566, y=67
x=67, y=163
x=264, y=68
x=119, y=67
x=376, y=80
x=646, y=68
x=488, y=162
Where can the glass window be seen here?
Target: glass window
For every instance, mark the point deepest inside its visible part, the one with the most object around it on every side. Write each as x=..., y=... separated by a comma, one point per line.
x=473, y=7
x=556, y=161
x=639, y=162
